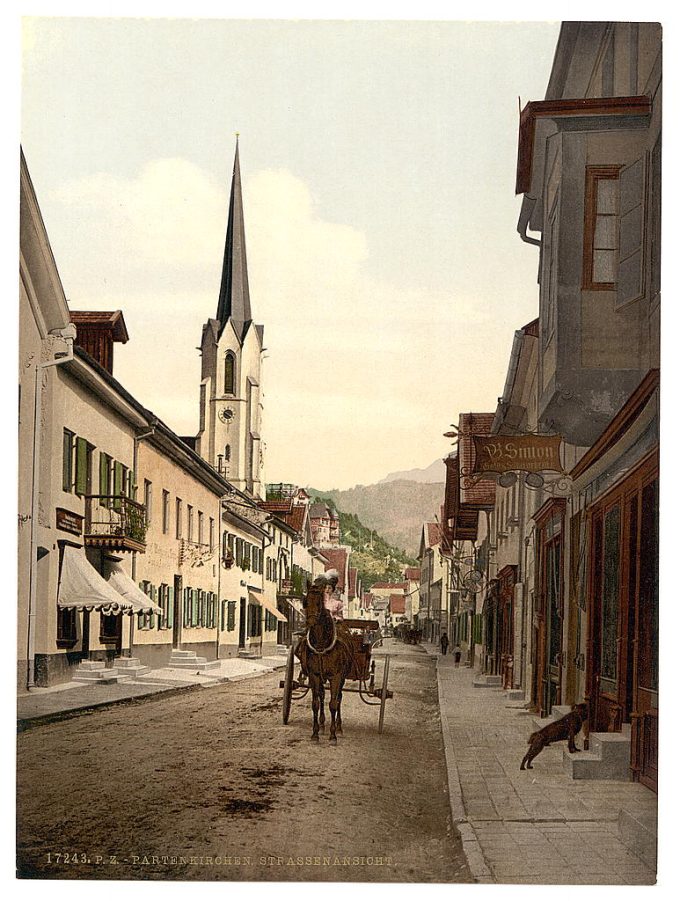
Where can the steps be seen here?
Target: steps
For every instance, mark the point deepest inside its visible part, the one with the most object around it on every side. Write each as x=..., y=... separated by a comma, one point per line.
x=96, y=673
x=485, y=681
x=190, y=661
x=245, y=654
x=557, y=712
x=608, y=757
x=131, y=666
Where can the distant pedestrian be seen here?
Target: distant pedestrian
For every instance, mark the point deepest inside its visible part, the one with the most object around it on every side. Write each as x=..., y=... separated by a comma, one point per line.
x=444, y=641
x=456, y=655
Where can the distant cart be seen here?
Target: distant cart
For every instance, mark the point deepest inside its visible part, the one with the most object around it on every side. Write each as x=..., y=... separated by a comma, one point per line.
x=364, y=635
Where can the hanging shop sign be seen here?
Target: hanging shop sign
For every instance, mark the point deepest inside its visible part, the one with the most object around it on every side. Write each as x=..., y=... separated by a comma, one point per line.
x=521, y=453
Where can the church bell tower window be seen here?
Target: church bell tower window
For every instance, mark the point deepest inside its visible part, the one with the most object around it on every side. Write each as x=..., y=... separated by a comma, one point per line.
x=229, y=368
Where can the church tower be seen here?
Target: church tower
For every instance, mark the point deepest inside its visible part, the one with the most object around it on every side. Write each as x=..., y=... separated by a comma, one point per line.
x=231, y=358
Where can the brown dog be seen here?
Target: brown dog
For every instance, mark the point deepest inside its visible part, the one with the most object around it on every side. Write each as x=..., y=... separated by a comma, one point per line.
x=564, y=729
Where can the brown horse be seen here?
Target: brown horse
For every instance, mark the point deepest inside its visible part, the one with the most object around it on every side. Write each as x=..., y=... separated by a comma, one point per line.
x=325, y=657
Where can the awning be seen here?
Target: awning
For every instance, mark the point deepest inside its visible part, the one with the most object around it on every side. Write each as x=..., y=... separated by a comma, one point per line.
x=295, y=603
x=82, y=588
x=268, y=605
x=127, y=589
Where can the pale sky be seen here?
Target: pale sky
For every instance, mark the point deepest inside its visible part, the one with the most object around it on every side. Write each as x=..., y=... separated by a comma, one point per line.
x=378, y=162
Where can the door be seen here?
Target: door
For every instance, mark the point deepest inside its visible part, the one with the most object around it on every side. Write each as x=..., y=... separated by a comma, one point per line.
x=646, y=665
x=243, y=611
x=177, y=613
x=547, y=687
x=623, y=616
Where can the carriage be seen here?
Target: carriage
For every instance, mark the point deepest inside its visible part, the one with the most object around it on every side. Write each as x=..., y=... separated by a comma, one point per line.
x=364, y=636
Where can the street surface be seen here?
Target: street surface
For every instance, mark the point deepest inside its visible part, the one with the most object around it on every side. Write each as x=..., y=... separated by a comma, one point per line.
x=210, y=785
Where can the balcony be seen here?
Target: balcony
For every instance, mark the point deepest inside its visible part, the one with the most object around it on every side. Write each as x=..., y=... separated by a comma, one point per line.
x=114, y=522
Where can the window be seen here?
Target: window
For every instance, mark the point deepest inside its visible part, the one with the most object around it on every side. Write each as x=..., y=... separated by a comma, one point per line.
x=211, y=533
x=231, y=616
x=190, y=522
x=66, y=625
x=146, y=620
x=67, y=465
x=601, y=231
x=166, y=511
x=178, y=517
x=200, y=527
x=229, y=367
x=147, y=500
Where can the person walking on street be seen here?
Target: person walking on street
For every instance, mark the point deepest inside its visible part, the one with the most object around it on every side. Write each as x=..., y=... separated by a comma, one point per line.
x=456, y=655
x=444, y=641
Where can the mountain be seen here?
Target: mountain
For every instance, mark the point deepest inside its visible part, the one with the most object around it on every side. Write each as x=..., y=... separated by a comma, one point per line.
x=395, y=509
x=375, y=559
x=435, y=472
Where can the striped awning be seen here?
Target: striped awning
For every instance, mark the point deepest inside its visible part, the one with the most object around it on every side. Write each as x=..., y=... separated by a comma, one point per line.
x=268, y=605
x=82, y=588
x=127, y=589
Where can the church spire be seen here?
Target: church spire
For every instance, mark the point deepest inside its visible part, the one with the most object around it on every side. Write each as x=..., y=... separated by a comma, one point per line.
x=234, y=299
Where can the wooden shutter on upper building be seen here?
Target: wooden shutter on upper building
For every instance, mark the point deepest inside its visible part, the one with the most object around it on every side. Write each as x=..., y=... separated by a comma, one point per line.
x=630, y=280
x=81, y=466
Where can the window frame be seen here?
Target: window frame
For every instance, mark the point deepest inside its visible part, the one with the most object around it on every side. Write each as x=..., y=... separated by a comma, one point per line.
x=595, y=174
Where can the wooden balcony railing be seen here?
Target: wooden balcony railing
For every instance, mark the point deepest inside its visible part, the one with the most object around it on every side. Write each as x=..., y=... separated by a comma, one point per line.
x=116, y=522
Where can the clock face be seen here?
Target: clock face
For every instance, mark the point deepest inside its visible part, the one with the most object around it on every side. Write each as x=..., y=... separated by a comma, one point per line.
x=226, y=414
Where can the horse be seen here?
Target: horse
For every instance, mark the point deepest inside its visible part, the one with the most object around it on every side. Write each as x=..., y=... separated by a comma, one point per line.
x=325, y=657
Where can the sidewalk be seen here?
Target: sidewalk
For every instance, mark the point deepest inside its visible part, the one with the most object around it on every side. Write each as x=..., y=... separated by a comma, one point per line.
x=532, y=826
x=59, y=701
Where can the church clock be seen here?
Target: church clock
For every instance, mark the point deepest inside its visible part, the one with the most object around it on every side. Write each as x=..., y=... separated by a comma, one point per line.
x=226, y=414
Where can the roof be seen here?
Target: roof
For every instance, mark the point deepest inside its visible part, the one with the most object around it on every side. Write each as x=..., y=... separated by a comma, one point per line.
x=318, y=511
x=234, y=299
x=337, y=558
x=112, y=320
x=397, y=603
x=581, y=107
x=412, y=573
x=402, y=586
x=353, y=572
x=276, y=506
x=433, y=534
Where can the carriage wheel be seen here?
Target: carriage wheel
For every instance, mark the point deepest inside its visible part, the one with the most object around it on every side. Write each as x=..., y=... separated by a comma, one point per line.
x=383, y=694
x=288, y=684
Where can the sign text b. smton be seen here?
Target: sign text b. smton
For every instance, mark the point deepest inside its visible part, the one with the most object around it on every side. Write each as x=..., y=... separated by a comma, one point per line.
x=524, y=453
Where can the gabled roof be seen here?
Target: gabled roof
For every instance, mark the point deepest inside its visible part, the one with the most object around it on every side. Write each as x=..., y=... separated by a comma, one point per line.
x=397, y=603
x=352, y=591
x=337, y=558
x=318, y=511
x=412, y=573
x=111, y=321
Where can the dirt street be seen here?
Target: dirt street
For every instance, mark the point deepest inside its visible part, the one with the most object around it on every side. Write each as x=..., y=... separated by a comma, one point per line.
x=210, y=785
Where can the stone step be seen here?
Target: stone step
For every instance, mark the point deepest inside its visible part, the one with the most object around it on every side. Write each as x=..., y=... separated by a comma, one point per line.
x=608, y=758
x=194, y=663
x=638, y=832
x=101, y=677
x=485, y=681
x=176, y=652
x=556, y=713
x=249, y=655
x=91, y=665
x=131, y=666
x=282, y=649
x=514, y=694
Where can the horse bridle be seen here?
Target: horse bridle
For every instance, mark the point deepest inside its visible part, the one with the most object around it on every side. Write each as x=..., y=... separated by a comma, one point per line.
x=325, y=650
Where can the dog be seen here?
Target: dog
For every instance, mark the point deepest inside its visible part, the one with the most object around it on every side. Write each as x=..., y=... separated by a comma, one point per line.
x=564, y=729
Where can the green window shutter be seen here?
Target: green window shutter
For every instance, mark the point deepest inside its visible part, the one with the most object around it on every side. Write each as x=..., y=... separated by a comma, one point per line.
x=630, y=280
x=117, y=483
x=171, y=607
x=103, y=476
x=231, y=616
x=186, y=608
x=194, y=607
x=157, y=596
x=67, y=464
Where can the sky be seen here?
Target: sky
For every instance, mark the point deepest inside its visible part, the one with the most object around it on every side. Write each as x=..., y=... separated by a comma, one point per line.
x=378, y=165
